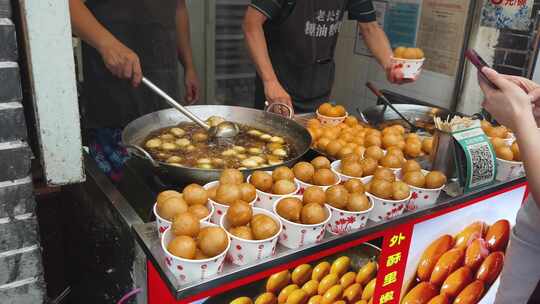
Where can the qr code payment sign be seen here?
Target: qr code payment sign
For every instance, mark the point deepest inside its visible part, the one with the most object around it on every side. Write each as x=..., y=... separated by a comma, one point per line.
x=482, y=164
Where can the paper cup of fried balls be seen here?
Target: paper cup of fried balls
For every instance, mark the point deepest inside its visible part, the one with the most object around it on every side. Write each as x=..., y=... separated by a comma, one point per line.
x=318, y=173
x=194, y=250
x=349, y=204
x=271, y=186
x=170, y=203
x=329, y=114
x=254, y=233
x=409, y=60
x=229, y=188
x=509, y=164
x=461, y=267
x=425, y=186
x=303, y=220
x=497, y=132
x=354, y=167
x=390, y=196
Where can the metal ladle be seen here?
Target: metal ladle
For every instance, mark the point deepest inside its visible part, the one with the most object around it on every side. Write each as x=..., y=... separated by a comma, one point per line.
x=224, y=129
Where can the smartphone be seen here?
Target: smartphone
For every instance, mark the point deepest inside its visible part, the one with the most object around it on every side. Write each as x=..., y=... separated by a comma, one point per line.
x=479, y=63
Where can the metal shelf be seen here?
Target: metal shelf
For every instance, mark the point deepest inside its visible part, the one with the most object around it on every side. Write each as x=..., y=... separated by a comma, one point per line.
x=147, y=236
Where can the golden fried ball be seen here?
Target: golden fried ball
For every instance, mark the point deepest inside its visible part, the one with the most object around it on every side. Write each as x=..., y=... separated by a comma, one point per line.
x=411, y=166
x=390, y=140
x=369, y=165
x=262, y=181
x=358, y=202
x=352, y=168
x=384, y=174
x=171, y=206
x=515, y=151
x=324, y=177
x=315, y=195
x=435, y=179
x=374, y=152
x=381, y=188
x=415, y=178
x=183, y=247
x=400, y=190
x=239, y=213
x=231, y=176
x=505, y=153
x=413, y=149
x=391, y=161
x=290, y=209
x=284, y=186
x=351, y=121
x=333, y=148
x=185, y=224
x=195, y=194
x=427, y=145
x=304, y=171
x=354, y=186
x=337, y=196
x=497, y=142
x=282, y=172
x=320, y=162
x=373, y=140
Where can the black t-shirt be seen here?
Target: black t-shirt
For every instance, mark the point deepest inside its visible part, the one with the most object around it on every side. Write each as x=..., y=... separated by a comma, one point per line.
x=359, y=10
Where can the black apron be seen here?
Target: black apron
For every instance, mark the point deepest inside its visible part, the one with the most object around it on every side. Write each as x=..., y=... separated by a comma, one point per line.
x=301, y=48
x=147, y=27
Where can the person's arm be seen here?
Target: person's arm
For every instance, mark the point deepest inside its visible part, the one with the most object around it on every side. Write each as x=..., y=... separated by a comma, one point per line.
x=258, y=50
x=119, y=59
x=511, y=106
x=185, y=53
x=377, y=42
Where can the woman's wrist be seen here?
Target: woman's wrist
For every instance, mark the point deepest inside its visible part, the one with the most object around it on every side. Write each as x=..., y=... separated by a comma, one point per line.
x=525, y=124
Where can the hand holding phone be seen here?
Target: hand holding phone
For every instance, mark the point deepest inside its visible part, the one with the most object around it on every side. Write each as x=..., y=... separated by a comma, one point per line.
x=479, y=63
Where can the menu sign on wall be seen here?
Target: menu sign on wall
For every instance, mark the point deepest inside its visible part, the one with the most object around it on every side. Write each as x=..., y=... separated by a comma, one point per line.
x=441, y=34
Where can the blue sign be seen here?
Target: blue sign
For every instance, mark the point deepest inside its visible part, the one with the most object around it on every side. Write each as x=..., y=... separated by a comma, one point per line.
x=401, y=24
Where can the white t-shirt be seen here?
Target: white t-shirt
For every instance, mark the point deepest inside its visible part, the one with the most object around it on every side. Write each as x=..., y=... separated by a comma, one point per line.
x=521, y=272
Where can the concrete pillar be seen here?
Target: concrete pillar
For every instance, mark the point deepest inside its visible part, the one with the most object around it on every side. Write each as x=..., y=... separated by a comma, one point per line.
x=21, y=275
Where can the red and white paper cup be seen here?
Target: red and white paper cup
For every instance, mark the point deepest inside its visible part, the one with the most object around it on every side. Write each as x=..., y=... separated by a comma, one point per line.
x=266, y=200
x=186, y=270
x=386, y=209
x=410, y=68
x=295, y=235
x=423, y=197
x=243, y=252
x=331, y=121
x=163, y=224
x=343, y=221
x=219, y=209
x=507, y=170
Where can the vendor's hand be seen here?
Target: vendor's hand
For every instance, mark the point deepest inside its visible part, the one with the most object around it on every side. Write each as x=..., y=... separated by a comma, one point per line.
x=395, y=75
x=275, y=93
x=191, y=82
x=509, y=104
x=122, y=61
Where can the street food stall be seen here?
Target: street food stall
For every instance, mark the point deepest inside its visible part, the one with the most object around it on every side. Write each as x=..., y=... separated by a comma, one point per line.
x=335, y=227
